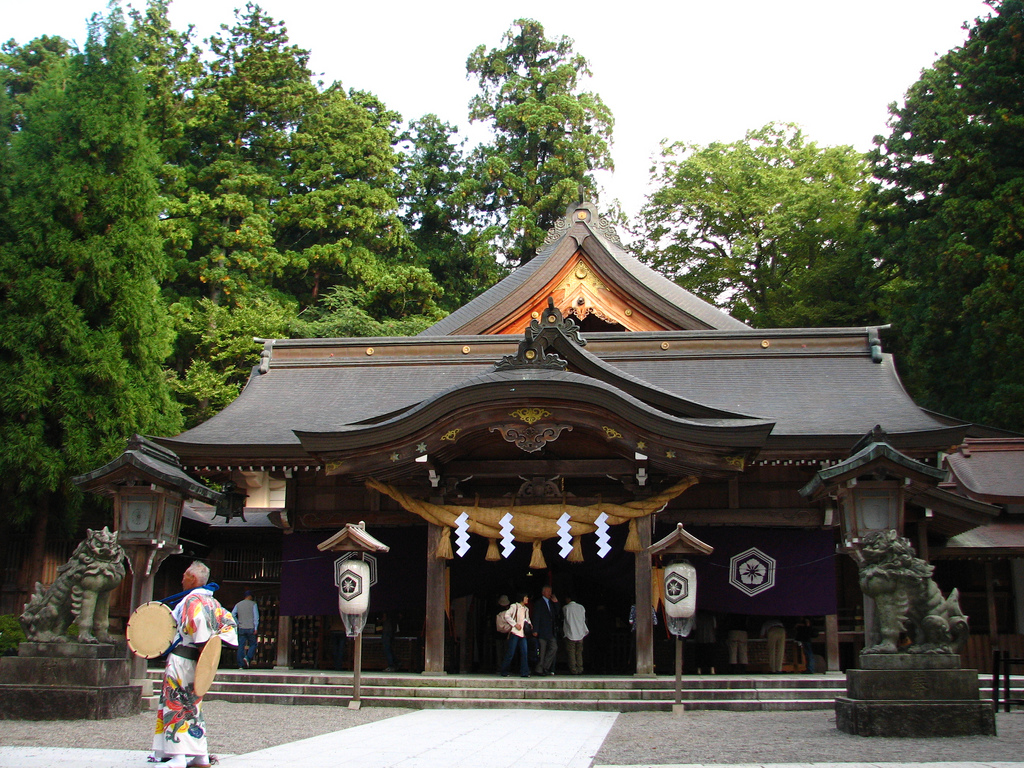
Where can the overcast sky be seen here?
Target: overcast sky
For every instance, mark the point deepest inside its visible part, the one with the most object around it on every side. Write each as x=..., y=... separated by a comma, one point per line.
x=680, y=70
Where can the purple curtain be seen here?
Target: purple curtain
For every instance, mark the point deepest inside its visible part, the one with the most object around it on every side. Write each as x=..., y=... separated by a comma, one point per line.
x=767, y=571
x=307, y=574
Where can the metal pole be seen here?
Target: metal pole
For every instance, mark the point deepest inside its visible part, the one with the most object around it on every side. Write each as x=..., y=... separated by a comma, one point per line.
x=357, y=667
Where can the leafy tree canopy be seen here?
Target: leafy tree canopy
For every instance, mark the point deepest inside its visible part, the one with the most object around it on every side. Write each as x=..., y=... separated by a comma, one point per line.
x=948, y=213
x=83, y=334
x=438, y=216
x=765, y=227
x=549, y=136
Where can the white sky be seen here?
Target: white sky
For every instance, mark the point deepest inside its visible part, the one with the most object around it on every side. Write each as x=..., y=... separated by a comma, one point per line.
x=681, y=69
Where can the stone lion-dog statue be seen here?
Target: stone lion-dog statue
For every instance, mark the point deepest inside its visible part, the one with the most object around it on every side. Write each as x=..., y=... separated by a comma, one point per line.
x=79, y=595
x=907, y=600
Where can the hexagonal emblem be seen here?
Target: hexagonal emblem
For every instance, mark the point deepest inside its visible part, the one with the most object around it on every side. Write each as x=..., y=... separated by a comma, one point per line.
x=677, y=588
x=350, y=585
x=339, y=566
x=752, y=572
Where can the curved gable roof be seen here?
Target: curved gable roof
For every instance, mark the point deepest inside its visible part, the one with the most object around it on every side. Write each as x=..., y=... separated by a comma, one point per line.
x=583, y=231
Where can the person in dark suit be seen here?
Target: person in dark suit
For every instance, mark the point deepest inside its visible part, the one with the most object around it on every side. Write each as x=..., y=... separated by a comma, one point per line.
x=547, y=617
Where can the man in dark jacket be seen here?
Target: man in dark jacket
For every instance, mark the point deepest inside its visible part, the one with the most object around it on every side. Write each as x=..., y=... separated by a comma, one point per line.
x=547, y=617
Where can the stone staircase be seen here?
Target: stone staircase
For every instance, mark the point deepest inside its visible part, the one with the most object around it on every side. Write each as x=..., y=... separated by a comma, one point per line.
x=616, y=694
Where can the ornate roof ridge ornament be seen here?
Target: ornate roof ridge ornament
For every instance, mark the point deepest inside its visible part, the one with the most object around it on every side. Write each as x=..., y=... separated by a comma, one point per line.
x=539, y=335
x=586, y=213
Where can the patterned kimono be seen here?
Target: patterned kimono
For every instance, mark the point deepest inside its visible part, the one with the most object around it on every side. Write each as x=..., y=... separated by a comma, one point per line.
x=180, y=726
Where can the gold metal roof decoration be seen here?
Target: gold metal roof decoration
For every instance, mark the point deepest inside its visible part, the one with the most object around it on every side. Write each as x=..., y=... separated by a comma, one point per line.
x=530, y=415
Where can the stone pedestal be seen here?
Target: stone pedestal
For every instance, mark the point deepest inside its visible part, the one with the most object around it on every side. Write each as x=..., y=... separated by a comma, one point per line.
x=67, y=681
x=913, y=695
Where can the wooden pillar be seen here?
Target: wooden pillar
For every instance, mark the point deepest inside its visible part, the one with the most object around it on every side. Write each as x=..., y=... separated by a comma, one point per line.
x=642, y=578
x=433, y=652
x=990, y=598
x=923, y=551
x=284, y=642
x=832, y=642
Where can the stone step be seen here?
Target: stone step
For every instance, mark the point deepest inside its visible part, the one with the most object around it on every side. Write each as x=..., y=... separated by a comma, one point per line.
x=618, y=694
x=492, y=683
x=526, y=691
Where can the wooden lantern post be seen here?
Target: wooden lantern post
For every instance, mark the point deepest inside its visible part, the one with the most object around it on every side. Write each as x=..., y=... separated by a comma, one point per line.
x=353, y=538
x=679, y=543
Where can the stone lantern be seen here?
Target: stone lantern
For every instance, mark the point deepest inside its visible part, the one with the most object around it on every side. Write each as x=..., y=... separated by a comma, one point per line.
x=149, y=490
x=871, y=488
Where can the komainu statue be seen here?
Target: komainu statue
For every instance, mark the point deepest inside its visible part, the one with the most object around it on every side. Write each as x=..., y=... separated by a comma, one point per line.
x=907, y=600
x=79, y=595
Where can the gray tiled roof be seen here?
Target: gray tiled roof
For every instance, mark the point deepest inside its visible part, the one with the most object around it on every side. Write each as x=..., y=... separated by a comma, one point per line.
x=803, y=395
x=806, y=395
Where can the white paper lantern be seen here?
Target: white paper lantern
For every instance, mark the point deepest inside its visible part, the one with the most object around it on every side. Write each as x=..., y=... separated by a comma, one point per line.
x=680, y=590
x=354, y=587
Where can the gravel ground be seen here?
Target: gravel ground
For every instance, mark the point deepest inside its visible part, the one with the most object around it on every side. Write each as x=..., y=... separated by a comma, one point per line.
x=637, y=738
x=234, y=728
x=641, y=738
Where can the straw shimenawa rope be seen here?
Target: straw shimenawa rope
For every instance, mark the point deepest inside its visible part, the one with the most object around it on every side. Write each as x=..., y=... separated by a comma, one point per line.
x=534, y=522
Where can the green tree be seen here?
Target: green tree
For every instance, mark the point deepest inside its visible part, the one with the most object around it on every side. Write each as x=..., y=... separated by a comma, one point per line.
x=83, y=333
x=949, y=213
x=244, y=109
x=766, y=227
x=549, y=136
x=339, y=218
x=25, y=66
x=286, y=193
x=437, y=214
x=217, y=351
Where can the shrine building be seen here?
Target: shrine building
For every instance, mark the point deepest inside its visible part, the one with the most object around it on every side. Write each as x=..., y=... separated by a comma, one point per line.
x=547, y=433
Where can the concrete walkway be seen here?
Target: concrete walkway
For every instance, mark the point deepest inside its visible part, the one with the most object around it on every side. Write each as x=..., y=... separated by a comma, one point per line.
x=486, y=738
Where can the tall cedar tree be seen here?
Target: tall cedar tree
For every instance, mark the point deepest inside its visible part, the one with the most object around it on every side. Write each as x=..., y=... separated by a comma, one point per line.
x=949, y=213
x=766, y=228
x=280, y=197
x=437, y=215
x=244, y=108
x=548, y=136
x=83, y=332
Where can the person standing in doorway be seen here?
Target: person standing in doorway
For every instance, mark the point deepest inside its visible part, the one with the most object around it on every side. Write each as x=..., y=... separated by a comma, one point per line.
x=247, y=616
x=775, y=633
x=575, y=616
x=547, y=616
x=804, y=633
x=389, y=628
x=518, y=617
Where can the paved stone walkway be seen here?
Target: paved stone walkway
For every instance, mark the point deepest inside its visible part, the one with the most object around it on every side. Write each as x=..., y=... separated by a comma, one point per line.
x=486, y=738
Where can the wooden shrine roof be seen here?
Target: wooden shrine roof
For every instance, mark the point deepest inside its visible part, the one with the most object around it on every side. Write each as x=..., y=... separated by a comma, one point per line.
x=652, y=298
x=820, y=388
x=809, y=392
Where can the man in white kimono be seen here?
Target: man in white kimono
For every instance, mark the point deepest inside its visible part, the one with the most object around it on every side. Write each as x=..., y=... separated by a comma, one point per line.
x=180, y=725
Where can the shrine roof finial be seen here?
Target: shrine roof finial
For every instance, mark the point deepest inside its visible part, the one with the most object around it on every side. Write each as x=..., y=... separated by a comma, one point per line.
x=539, y=335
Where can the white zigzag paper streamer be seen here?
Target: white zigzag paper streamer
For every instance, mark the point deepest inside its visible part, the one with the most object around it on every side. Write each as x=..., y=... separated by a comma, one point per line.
x=462, y=534
x=564, y=535
x=603, y=547
x=508, y=542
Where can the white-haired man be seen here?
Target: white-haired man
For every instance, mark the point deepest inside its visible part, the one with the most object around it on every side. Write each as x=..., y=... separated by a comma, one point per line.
x=180, y=737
